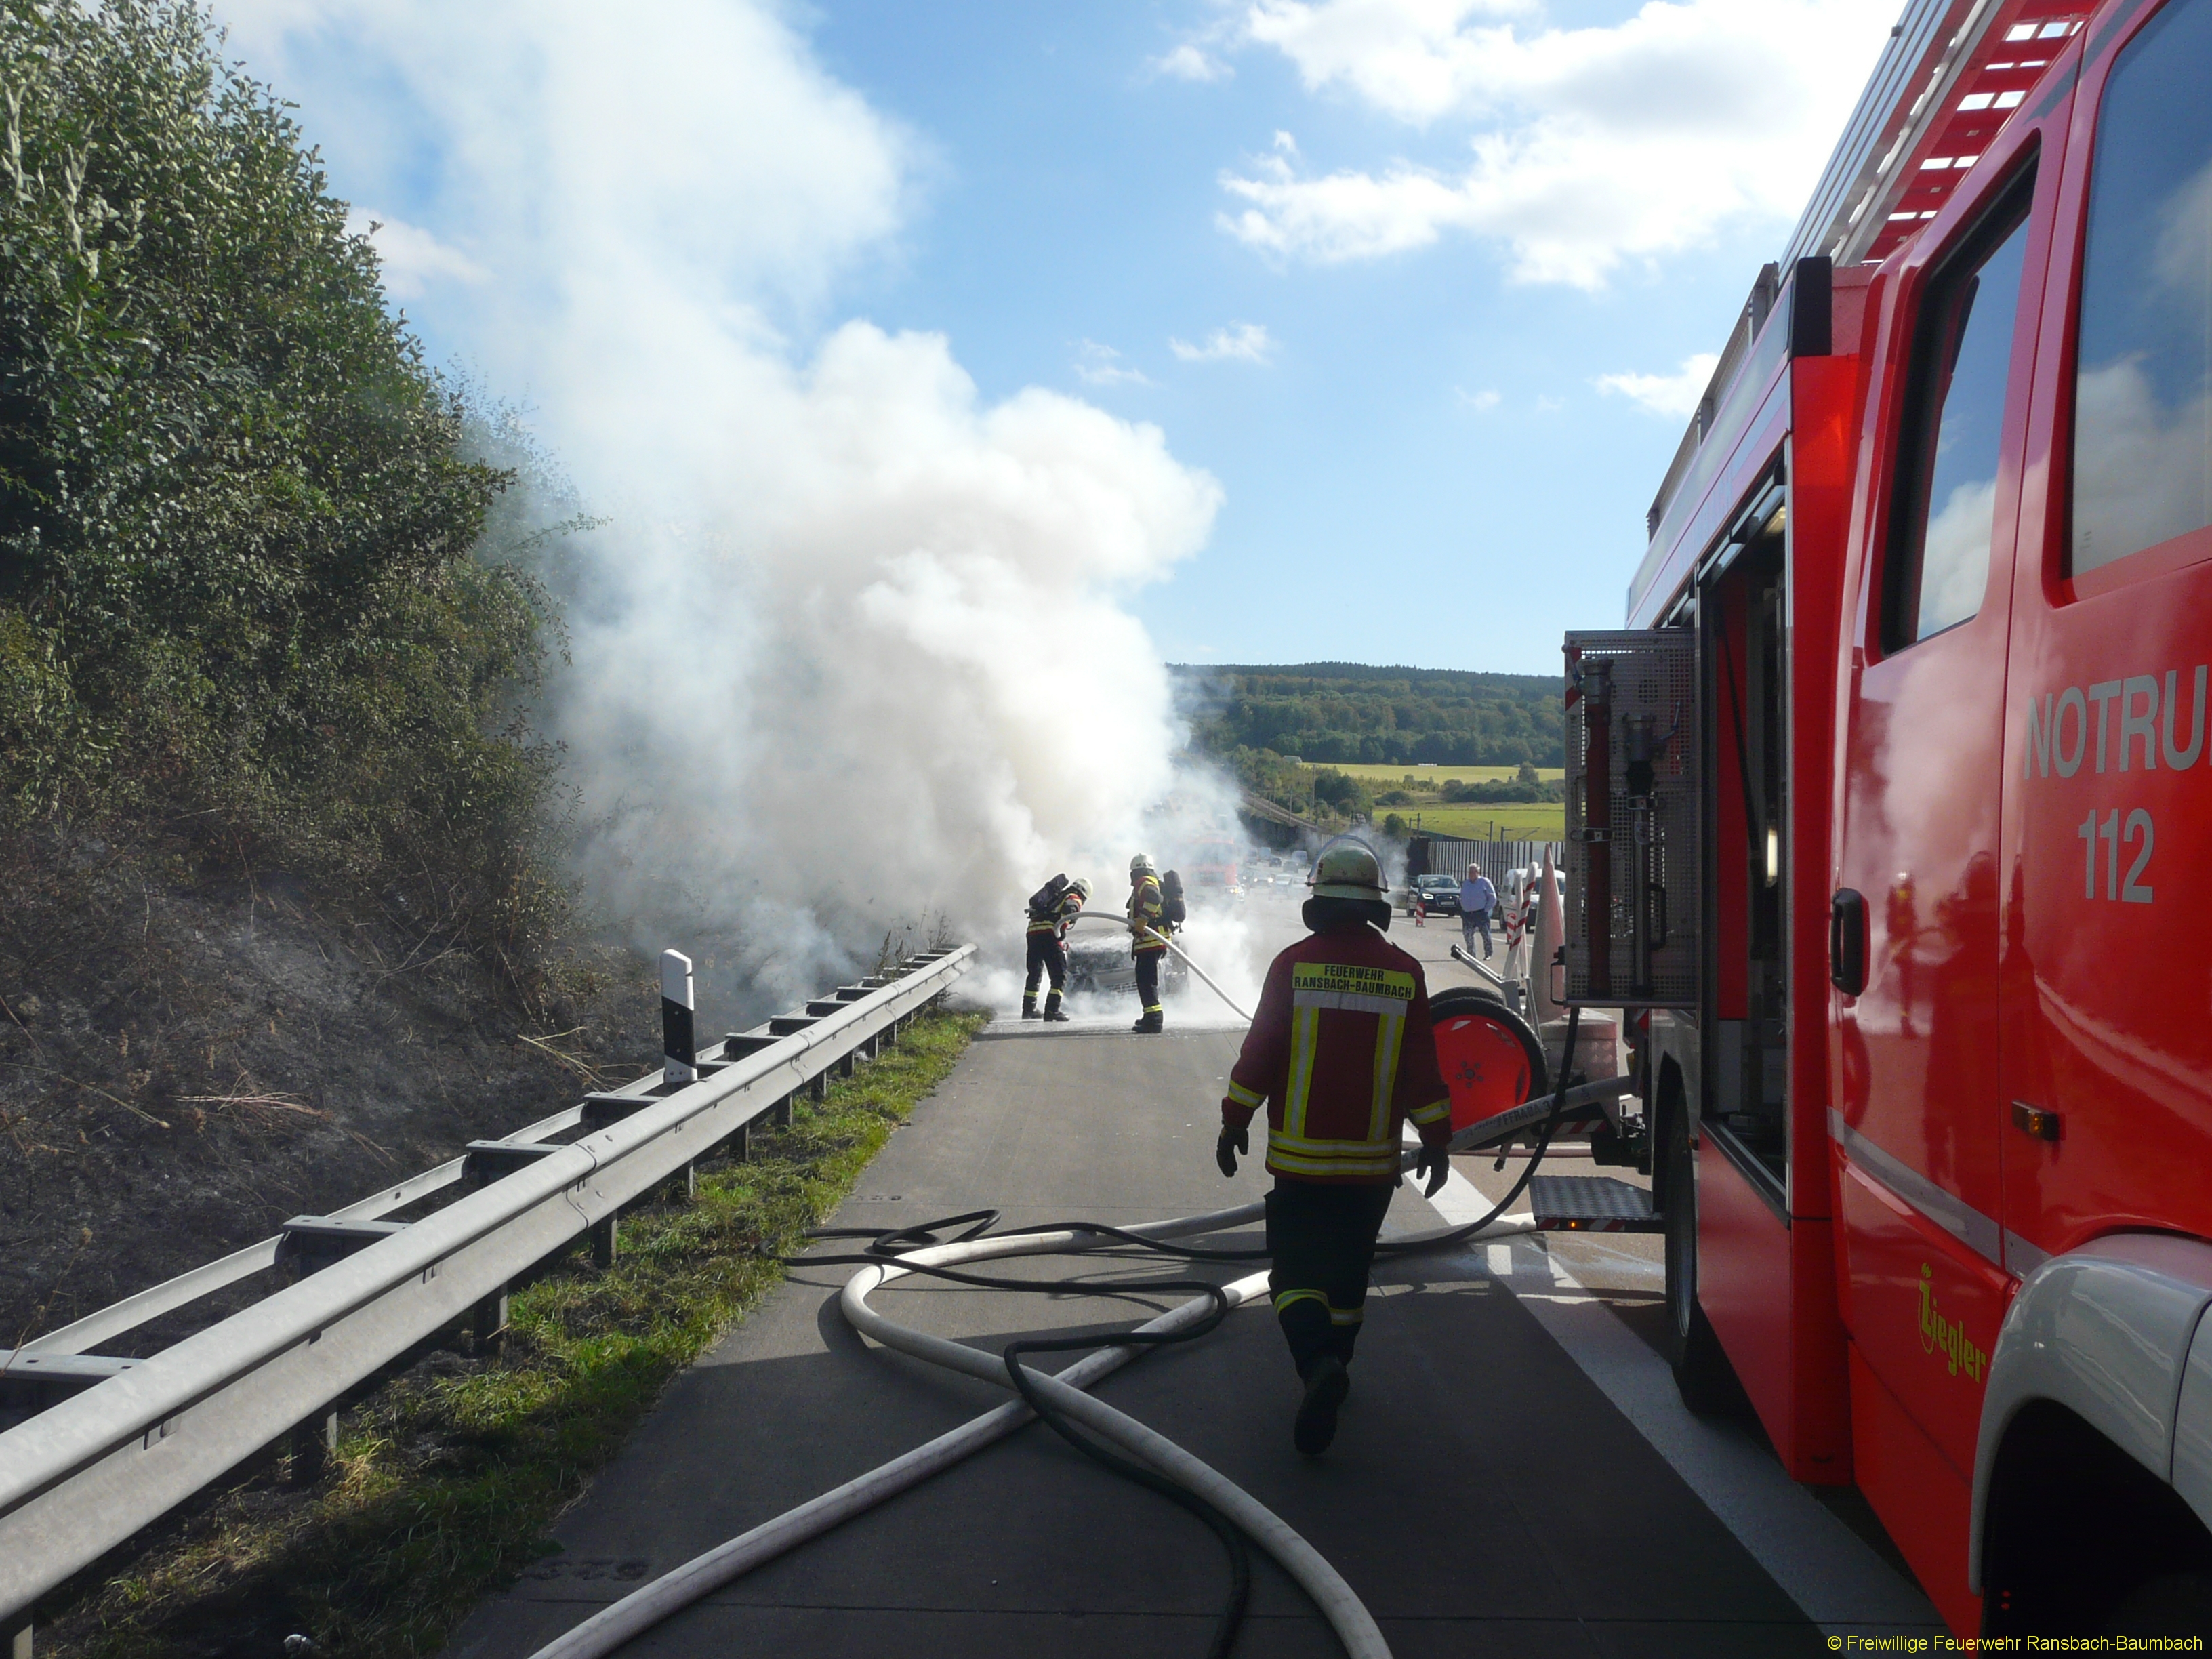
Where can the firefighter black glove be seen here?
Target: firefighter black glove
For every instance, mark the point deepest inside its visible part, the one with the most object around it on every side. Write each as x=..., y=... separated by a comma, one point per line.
x=1233, y=1141
x=1436, y=1164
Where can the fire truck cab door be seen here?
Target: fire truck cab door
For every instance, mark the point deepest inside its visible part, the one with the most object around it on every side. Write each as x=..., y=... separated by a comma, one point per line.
x=2107, y=1074
x=1917, y=1112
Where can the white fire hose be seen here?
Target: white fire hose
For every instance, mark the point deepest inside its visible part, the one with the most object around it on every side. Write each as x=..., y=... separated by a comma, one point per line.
x=606, y=1631
x=1138, y=928
x=642, y=1609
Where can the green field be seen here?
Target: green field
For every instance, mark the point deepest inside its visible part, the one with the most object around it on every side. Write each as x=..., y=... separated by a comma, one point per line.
x=1435, y=777
x=1471, y=820
x=1515, y=820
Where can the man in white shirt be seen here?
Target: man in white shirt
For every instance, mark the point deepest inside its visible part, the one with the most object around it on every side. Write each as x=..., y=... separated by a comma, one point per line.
x=1476, y=898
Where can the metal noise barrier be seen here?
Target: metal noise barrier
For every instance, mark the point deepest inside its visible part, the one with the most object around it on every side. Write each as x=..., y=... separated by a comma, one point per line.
x=82, y=1475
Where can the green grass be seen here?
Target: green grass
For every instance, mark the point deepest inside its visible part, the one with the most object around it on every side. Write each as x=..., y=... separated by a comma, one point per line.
x=446, y=1481
x=1435, y=777
x=1515, y=820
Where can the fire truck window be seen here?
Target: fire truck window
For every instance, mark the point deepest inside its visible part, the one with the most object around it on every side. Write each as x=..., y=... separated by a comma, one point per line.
x=2143, y=386
x=1954, y=421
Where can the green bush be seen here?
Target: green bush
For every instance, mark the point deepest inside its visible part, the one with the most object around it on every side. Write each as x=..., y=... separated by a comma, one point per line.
x=1504, y=790
x=238, y=594
x=1342, y=791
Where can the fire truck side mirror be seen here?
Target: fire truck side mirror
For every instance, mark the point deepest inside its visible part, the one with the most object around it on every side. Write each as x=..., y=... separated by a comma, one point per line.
x=1847, y=941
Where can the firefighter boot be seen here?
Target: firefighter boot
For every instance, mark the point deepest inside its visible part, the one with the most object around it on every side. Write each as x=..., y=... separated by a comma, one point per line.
x=1052, y=1006
x=1029, y=1005
x=1150, y=1023
x=1327, y=1384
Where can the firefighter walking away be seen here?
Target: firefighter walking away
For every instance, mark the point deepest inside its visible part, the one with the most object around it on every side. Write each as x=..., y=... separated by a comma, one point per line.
x=1052, y=910
x=1155, y=910
x=1341, y=1053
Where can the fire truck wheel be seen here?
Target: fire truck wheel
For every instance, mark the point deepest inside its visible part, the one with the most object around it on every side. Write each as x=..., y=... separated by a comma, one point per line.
x=1702, y=1375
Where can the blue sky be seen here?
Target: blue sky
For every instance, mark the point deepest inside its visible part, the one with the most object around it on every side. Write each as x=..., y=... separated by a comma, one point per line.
x=1462, y=216
x=1423, y=469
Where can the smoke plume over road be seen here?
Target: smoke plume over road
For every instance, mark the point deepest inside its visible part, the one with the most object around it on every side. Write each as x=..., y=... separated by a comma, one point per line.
x=850, y=648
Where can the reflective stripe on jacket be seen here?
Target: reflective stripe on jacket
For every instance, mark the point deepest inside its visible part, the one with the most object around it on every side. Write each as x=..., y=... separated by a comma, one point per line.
x=1145, y=908
x=1063, y=918
x=1341, y=1054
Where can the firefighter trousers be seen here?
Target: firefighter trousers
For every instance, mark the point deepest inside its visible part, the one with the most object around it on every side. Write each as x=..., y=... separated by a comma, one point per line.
x=1047, y=955
x=1148, y=978
x=1320, y=1236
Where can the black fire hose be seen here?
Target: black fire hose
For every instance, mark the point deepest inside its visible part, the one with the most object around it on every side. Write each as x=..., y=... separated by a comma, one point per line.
x=892, y=1245
x=895, y=1250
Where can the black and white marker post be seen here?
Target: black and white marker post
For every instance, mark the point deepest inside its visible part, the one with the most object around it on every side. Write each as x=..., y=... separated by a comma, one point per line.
x=681, y=1058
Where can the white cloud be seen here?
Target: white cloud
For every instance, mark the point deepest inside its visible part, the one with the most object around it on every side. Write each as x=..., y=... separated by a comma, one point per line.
x=853, y=649
x=1481, y=402
x=1591, y=145
x=703, y=137
x=1244, y=342
x=411, y=258
x=1667, y=394
x=1190, y=62
x=1101, y=365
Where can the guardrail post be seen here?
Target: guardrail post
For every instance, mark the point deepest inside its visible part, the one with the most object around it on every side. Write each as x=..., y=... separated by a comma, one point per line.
x=17, y=1628
x=679, y=1055
x=604, y=1243
x=312, y=1443
x=491, y=1319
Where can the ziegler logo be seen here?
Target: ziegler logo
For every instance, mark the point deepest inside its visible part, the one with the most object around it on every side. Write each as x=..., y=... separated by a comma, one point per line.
x=1946, y=1336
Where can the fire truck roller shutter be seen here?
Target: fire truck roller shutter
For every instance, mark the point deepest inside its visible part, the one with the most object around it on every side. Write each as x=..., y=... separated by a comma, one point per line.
x=2113, y=1335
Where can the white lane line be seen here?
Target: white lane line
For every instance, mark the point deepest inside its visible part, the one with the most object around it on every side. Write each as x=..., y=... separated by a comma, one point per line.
x=1006, y=1026
x=1838, y=1582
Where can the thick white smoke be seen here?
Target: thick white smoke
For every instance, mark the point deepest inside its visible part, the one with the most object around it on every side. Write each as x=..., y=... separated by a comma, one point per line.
x=851, y=652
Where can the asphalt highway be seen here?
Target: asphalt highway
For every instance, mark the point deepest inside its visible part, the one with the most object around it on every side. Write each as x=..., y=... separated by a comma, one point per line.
x=1512, y=1475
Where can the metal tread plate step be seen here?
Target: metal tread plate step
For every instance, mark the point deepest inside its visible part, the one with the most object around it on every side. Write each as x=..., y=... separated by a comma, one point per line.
x=1591, y=1204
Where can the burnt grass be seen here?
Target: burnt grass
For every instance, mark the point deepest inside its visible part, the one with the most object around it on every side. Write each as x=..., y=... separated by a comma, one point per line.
x=190, y=1054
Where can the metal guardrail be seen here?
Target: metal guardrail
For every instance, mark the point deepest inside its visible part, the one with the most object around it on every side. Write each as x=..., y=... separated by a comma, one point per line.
x=81, y=1476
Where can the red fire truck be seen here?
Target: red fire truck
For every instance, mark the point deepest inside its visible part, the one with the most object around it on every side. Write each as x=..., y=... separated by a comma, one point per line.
x=1891, y=823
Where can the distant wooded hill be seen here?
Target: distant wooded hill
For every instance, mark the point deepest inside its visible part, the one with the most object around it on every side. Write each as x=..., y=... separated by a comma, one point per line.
x=1342, y=712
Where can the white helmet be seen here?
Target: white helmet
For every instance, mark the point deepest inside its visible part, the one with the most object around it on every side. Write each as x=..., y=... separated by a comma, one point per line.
x=1142, y=865
x=1348, y=870
x=1082, y=884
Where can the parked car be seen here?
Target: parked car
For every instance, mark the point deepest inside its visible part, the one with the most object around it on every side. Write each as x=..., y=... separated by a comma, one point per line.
x=1439, y=895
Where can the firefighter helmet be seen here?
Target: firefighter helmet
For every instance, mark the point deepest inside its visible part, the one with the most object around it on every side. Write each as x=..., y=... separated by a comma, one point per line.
x=1348, y=870
x=1142, y=865
x=1082, y=884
